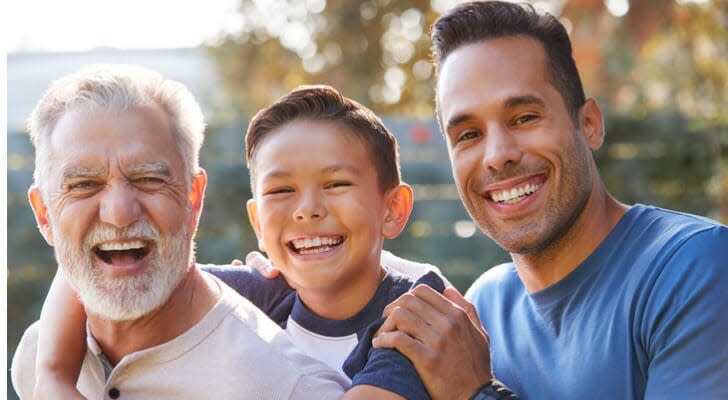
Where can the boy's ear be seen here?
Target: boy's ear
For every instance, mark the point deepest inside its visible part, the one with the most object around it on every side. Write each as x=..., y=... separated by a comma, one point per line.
x=253, y=218
x=40, y=210
x=592, y=124
x=399, y=203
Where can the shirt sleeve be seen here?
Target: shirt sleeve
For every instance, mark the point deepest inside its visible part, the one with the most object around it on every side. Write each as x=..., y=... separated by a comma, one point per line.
x=685, y=331
x=388, y=368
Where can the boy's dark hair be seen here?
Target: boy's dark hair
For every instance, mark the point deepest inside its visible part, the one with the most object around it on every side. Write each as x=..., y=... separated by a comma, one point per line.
x=324, y=103
x=477, y=21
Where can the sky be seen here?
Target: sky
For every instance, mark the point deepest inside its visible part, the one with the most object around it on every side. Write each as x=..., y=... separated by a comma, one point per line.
x=77, y=25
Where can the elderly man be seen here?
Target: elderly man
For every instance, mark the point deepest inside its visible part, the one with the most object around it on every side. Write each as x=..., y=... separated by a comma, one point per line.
x=601, y=300
x=118, y=192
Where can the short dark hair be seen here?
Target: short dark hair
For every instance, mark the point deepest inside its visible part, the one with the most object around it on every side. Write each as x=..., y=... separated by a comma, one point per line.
x=480, y=20
x=324, y=103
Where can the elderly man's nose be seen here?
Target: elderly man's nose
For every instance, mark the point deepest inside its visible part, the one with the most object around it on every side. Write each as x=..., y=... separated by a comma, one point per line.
x=119, y=205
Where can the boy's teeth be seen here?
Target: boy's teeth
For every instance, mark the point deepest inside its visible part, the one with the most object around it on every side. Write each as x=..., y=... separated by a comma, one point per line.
x=315, y=243
x=116, y=246
x=514, y=195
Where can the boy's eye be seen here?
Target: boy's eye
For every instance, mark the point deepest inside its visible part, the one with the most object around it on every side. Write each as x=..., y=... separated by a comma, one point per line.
x=278, y=191
x=337, y=184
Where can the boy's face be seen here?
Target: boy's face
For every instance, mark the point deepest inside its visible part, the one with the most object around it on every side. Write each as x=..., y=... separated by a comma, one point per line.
x=317, y=208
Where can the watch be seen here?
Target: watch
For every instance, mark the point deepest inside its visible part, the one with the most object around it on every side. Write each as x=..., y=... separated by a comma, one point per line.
x=493, y=390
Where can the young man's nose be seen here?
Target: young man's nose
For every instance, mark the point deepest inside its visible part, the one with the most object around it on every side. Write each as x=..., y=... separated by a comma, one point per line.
x=501, y=149
x=119, y=205
x=310, y=206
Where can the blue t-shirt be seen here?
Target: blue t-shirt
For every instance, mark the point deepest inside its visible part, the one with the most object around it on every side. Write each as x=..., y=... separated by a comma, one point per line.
x=343, y=344
x=645, y=316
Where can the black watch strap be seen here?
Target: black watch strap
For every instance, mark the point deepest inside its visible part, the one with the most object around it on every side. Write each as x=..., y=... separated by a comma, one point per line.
x=493, y=390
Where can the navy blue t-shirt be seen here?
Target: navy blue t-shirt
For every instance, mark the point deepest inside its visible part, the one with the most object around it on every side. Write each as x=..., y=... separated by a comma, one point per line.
x=385, y=368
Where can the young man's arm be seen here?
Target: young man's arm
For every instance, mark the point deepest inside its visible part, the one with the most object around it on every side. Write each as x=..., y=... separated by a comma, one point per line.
x=61, y=343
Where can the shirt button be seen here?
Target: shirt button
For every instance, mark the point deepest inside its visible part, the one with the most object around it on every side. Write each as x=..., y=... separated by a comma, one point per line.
x=114, y=393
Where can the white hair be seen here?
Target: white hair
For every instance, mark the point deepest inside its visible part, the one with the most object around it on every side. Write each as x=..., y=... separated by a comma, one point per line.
x=116, y=88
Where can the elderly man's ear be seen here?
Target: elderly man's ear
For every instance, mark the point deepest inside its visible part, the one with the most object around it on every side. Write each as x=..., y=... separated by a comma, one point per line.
x=40, y=210
x=197, y=195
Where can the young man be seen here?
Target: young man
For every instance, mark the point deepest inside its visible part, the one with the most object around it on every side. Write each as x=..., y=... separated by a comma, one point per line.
x=327, y=192
x=602, y=300
x=118, y=192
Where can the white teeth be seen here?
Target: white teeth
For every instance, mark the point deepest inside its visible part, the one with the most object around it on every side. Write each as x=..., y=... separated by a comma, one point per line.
x=515, y=194
x=111, y=246
x=313, y=245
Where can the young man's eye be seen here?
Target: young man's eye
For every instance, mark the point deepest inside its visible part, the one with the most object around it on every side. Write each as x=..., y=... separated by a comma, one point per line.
x=522, y=119
x=467, y=135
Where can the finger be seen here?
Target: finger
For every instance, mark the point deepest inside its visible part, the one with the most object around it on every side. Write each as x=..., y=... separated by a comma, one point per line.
x=405, y=344
x=236, y=263
x=457, y=298
x=260, y=263
x=403, y=320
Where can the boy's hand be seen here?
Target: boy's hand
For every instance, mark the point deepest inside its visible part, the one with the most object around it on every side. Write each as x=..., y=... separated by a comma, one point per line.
x=436, y=333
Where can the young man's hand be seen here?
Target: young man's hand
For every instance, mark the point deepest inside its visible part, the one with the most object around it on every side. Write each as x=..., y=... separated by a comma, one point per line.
x=443, y=338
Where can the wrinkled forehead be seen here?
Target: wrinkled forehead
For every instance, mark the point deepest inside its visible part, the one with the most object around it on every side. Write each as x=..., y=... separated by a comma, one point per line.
x=140, y=136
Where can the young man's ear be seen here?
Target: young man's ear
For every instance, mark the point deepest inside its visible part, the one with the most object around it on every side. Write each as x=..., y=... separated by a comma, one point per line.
x=399, y=203
x=254, y=222
x=40, y=210
x=592, y=124
x=196, y=196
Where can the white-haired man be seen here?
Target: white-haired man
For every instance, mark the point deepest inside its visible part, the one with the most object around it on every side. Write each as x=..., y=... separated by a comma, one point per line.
x=118, y=193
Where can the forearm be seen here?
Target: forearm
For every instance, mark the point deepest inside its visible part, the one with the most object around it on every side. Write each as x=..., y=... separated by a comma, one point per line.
x=61, y=343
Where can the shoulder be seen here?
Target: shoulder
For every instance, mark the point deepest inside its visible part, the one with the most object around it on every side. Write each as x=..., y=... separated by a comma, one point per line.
x=496, y=279
x=22, y=371
x=254, y=339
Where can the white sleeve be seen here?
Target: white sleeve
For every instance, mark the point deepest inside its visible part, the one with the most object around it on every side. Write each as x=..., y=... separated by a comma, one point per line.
x=410, y=268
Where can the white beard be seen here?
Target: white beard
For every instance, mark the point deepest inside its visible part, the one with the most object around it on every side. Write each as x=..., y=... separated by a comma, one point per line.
x=132, y=297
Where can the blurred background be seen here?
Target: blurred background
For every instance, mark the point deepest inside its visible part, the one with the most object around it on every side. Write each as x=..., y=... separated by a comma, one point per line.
x=659, y=68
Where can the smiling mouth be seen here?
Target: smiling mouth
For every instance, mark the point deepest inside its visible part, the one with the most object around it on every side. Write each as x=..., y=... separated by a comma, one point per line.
x=119, y=253
x=316, y=244
x=515, y=194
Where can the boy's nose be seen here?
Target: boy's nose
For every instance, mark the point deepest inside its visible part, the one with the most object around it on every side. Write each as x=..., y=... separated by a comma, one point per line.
x=311, y=207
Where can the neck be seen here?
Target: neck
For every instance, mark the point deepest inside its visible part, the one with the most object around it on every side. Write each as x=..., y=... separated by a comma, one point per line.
x=344, y=300
x=195, y=295
x=544, y=268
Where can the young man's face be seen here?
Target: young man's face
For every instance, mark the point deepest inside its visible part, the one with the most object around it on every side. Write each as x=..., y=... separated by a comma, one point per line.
x=523, y=170
x=317, y=209
x=118, y=209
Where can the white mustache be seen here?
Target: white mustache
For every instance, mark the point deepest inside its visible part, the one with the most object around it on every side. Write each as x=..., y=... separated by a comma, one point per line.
x=143, y=230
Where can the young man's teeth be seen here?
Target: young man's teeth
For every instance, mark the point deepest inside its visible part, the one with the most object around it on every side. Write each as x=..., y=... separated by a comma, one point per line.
x=514, y=195
x=117, y=246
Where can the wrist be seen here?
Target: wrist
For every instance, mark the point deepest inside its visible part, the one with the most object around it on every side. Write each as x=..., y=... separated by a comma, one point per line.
x=493, y=390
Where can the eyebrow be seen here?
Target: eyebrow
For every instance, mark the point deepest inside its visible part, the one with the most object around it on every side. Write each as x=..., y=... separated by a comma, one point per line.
x=154, y=168
x=81, y=172
x=277, y=173
x=511, y=102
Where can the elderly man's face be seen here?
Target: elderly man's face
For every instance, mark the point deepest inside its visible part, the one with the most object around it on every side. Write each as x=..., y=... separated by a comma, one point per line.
x=119, y=209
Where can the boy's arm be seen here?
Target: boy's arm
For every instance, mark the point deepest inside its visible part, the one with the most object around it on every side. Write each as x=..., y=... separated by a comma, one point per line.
x=367, y=392
x=61, y=343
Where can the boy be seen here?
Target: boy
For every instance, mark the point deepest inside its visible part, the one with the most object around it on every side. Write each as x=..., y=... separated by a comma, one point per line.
x=326, y=193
